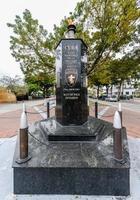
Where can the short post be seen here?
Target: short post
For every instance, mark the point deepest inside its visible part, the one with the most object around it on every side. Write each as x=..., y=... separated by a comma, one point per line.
x=118, y=149
x=120, y=112
x=45, y=102
x=48, y=109
x=23, y=138
x=96, y=109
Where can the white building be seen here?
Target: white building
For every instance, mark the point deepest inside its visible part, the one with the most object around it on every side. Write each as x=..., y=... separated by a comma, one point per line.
x=128, y=88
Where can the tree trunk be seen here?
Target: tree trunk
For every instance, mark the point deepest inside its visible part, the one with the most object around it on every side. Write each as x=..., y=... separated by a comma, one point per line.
x=44, y=92
x=107, y=88
x=111, y=90
x=119, y=90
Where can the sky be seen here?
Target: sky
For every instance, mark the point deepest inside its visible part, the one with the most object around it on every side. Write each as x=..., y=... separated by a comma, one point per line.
x=48, y=12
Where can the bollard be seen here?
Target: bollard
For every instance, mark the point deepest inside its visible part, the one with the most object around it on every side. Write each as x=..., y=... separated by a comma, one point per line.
x=96, y=109
x=120, y=112
x=23, y=139
x=45, y=102
x=48, y=109
x=118, y=149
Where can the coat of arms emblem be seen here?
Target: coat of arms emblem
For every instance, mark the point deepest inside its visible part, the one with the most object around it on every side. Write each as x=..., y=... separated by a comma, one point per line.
x=71, y=76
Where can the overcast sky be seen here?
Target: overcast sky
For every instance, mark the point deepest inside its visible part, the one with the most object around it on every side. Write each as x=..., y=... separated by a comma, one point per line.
x=48, y=12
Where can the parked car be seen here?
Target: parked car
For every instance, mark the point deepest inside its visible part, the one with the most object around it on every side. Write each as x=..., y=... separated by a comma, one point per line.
x=102, y=97
x=112, y=98
x=126, y=97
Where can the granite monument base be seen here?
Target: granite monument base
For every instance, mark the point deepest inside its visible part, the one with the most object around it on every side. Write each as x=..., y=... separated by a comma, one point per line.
x=73, y=167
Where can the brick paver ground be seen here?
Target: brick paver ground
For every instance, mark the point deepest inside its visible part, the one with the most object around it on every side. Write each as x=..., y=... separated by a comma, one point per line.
x=131, y=120
x=10, y=121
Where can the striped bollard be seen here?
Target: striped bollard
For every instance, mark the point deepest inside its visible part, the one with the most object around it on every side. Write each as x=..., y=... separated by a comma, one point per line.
x=118, y=149
x=120, y=112
x=23, y=138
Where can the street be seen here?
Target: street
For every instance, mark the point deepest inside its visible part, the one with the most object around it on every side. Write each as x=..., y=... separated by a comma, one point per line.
x=130, y=105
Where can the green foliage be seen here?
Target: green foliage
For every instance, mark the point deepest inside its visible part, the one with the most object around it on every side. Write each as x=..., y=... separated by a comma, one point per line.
x=15, y=85
x=21, y=90
x=123, y=69
x=101, y=77
x=111, y=25
x=106, y=26
x=31, y=47
x=58, y=33
x=40, y=82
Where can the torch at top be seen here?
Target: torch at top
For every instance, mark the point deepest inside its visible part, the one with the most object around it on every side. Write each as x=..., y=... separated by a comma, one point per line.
x=71, y=29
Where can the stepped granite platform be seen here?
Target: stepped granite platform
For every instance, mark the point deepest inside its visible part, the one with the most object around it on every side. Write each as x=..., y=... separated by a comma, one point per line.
x=72, y=167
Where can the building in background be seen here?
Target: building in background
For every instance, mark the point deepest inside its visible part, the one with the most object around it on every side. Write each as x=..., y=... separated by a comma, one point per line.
x=6, y=96
x=130, y=87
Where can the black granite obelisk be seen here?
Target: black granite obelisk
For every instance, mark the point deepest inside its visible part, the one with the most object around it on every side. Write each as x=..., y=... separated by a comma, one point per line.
x=71, y=86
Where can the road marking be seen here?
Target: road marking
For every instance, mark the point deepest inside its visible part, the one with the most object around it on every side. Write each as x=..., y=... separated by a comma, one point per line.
x=102, y=112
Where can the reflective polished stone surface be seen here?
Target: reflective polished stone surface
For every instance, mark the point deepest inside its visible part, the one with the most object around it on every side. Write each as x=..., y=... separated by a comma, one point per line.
x=72, y=167
x=71, y=82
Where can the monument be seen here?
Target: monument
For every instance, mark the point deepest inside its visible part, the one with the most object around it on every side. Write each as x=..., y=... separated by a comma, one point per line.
x=72, y=152
x=71, y=86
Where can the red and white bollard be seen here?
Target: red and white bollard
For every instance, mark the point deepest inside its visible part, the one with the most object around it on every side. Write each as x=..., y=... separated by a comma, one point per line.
x=23, y=138
x=120, y=112
x=118, y=147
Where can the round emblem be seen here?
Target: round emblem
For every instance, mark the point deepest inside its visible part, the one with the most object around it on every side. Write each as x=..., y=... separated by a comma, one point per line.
x=71, y=76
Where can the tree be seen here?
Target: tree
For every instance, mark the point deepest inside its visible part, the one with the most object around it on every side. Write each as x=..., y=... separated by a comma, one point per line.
x=15, y=85
x=40, y=82
x=122, y=70
x=31, y=47
x=9, y=82
x=106, y=26
x=134, y=51
x=110, y=24
x=102, y=77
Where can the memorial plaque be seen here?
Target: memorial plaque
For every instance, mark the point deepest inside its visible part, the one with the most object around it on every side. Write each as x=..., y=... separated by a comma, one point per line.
x=71, y=90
